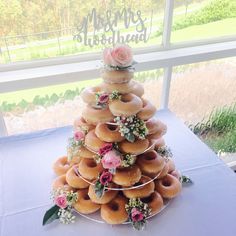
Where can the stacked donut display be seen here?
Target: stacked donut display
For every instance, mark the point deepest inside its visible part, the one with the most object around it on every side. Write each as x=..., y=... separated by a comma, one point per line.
x=117, y=160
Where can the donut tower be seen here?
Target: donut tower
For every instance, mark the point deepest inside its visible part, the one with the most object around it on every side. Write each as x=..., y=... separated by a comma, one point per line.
x=117, y=162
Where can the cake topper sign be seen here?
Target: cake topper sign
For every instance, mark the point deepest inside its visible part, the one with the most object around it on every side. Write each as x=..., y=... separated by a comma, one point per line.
x=111, y=28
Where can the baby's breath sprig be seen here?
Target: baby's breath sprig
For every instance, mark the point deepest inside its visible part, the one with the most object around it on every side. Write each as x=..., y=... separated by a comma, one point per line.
x=131, y=127
x=115, y=95
x=128, y=160
x=73, y=147
x=165, y=152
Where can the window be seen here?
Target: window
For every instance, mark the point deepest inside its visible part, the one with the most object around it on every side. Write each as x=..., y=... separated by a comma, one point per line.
x=203, y=19
x=46, y=29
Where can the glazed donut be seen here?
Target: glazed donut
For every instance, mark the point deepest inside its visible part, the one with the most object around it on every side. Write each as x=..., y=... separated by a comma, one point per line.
x=154, y=201
x=61, y=166
x=168, y=187
x=89, y=168
x=60, y=183
x=108, y=133
x=114, y=211
x=128, y=105
x=171, y=165
x=150, y=163
x=137, y=147
x=163, y=172
x=85, y=153
x=160, y=142
x=93, y=142
x=84, y=204
x=80, y=123
x=137, y=89
x=176, y=174
x=143, y=191
x=74, y=180
x=107, y=196
x=162, y=129
x=151, y=125
x=127, y=176
x=147, y=111
x=89, y=95
x=123, y=88
x=117, y=76
x=94, y=116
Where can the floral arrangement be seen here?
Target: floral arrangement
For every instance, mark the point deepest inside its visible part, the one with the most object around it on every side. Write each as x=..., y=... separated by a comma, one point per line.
x=128, y=160
x=138, y=213
x=74, y=143
x=103, y=98
x=63, y=207
x=118, y=58
x=131, y=127
x=165, y=152
x=103, y=180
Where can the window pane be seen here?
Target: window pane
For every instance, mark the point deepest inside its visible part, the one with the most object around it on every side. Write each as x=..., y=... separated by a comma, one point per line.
x=56, y=106
x=44, y=29
x=203, y=19
x=203, y=96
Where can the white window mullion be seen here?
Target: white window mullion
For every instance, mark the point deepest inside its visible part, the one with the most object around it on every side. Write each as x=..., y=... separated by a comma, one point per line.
x=3, y=128
x=166, y=37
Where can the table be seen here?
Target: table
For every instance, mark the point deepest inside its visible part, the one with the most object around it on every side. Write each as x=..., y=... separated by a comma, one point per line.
x=208, y=207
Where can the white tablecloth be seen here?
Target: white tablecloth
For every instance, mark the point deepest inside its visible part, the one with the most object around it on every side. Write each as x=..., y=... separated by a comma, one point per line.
x=206, y=208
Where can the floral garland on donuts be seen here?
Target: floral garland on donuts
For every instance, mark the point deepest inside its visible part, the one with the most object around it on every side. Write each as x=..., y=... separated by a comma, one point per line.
x=111, y=158
x=131, y=127
x=138, y=213
x=63, y=207
x=103, y=180
x=74, y=143
x=103, y=98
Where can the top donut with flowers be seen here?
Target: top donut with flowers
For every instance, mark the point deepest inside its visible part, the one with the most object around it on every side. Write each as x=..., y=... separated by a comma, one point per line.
x=118, y=58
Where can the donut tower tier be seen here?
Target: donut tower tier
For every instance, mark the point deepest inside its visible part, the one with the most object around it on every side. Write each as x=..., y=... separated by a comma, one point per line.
x=117, y=162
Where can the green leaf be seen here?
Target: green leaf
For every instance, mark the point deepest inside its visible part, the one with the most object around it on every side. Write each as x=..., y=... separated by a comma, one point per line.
x=130, y=137
x=99, y=189
x=186, y=180
x=51, y=215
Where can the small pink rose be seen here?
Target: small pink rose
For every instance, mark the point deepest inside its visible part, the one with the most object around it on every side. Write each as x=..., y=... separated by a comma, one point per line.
x=105, y=148
x=61, y=201
x=103, y=98
x=105, y=177
x=136, y=215
x=111, y=160
x=79, y=135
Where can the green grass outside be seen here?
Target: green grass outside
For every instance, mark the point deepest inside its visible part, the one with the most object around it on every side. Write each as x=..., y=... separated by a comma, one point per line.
x=219, y=129
x=69, y=47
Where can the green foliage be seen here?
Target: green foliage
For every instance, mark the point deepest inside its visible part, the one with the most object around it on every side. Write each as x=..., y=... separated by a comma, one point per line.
x=213, y=11
x=219, y=130
x=223, y=143
x=220, y=121
x=41, y=100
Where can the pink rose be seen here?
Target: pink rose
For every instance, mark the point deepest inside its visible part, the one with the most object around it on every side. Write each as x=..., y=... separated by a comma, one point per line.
x=107, y=58
x=136, y=215
x=120, y=55
x=105, y=177
x=105, y=148
x=61, y=201
x=79, y=135
x=103, y=98
x=111, y=160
